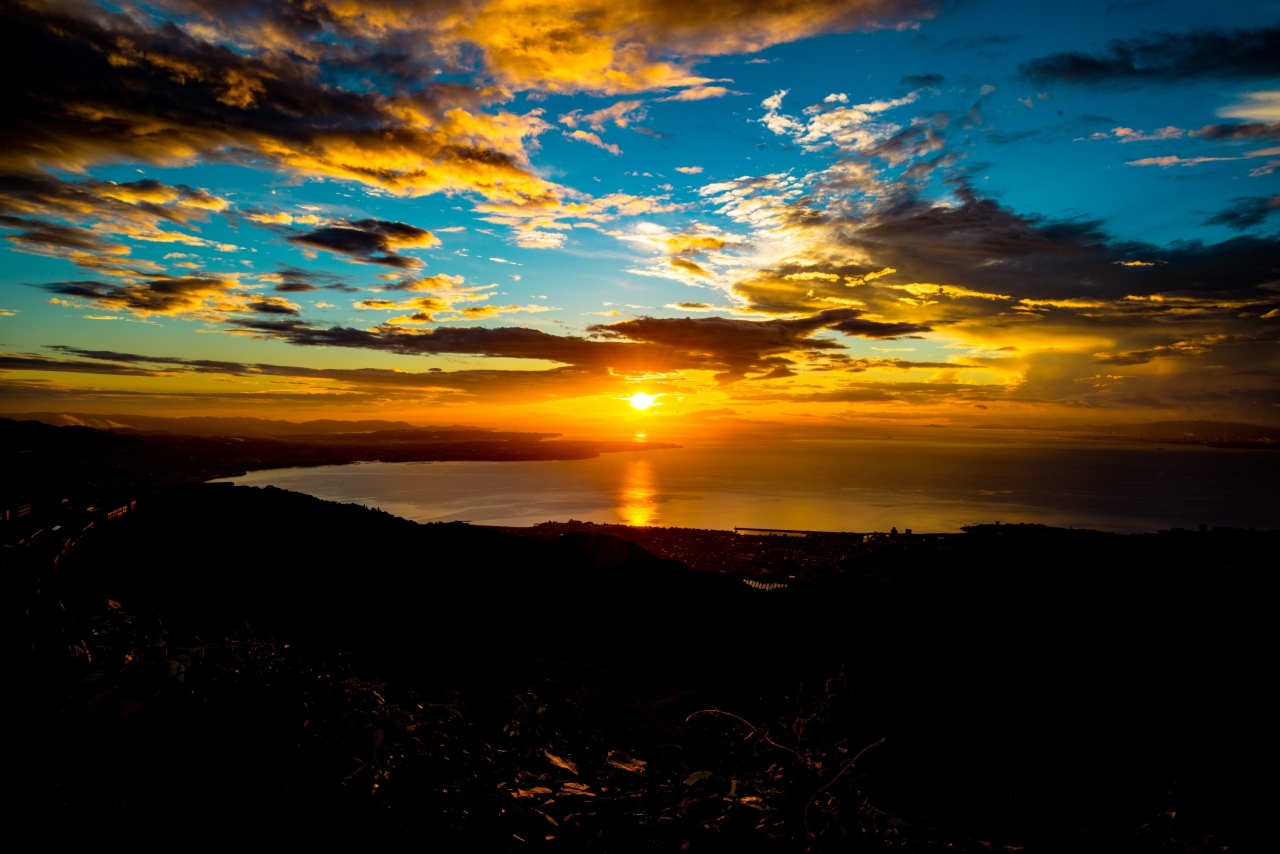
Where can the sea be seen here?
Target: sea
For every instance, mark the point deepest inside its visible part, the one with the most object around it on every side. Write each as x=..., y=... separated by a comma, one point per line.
x=858, y=484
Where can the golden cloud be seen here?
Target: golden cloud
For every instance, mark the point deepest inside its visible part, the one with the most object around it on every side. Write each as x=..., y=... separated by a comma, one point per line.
x=115, y=88
x=166, y=295
x=687, y=266
x=87, y=209
x=693, y=244
x=614, y=48
x=189, y=97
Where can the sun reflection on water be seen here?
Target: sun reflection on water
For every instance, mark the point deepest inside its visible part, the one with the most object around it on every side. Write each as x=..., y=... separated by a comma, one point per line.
x=636, y=502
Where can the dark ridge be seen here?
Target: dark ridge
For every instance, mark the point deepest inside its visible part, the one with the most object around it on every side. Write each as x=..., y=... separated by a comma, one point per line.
x=43, y=462
x=233, y=661
x=213, y=425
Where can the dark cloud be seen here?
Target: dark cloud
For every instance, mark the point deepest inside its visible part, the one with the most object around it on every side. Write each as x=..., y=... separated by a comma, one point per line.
x=87, y=86
x=1134, y=357
x=729, y=347
x=17, y=362
x=198, y=365
x=865, y=392
x=353, y=91
x=981, y=273
x=160, y=294
x=55, y=238
x=1142, y=357
x=923, y=136
x=987, y=248
x=511, y=342
x=356, y=384
x=1166, y=58
x=369, y=241
x=294, y=280
x=273, y=305
x=1247, y=131
x=1246, y=213
x=916, y=81
x=906, y=365
x=133, y=202
x=1188, y=348
x=74, y=219
x=597, y=45
x=733, y=347
x=874, y=329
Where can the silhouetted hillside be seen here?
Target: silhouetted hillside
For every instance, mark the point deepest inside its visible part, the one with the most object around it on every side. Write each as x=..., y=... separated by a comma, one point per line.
x=267, y=654
x=208, y=425
x=44, y=462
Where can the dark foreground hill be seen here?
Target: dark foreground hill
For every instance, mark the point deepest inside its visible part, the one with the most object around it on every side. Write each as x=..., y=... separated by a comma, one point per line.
x=229, y=663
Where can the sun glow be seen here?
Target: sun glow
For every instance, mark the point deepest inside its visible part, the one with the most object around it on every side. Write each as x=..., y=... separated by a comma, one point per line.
x=642, y=401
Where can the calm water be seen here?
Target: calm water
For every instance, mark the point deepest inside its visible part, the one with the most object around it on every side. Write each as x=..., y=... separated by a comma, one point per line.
x=850, y=485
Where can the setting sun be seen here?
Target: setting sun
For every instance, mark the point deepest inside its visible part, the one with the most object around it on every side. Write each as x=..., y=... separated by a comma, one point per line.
x=642, y=401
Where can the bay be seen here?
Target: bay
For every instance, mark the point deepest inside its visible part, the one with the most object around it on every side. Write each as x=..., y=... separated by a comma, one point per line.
x=863, y=484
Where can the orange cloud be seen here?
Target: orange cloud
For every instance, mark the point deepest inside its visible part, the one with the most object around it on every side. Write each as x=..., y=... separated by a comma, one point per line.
x=69, y=218
x=691, y=244
x=245, y=83
x=114, y=88
x=166, y=295
x=687, y=266
x=615, y=48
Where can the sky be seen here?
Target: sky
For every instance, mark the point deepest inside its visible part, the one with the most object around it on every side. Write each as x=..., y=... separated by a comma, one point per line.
x=528, y=212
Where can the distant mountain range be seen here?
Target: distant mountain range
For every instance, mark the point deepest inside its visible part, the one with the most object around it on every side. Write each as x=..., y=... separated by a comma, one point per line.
x=42, y=461
x=214, y=426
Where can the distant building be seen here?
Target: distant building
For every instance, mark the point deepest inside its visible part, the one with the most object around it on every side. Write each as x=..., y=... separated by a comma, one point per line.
x=123, y=509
